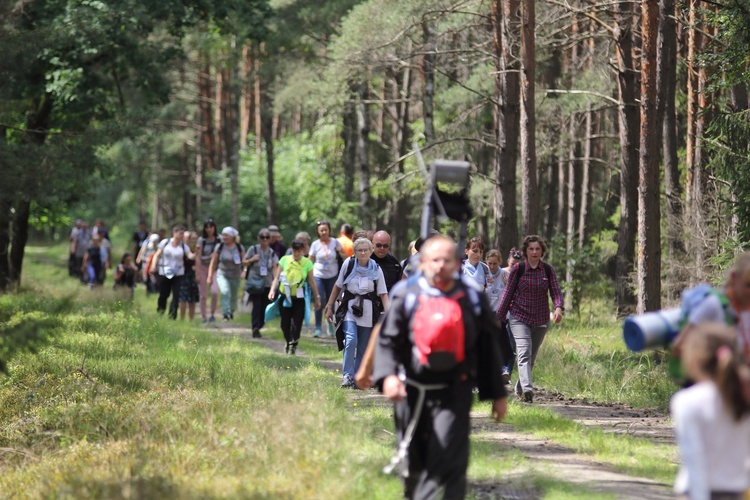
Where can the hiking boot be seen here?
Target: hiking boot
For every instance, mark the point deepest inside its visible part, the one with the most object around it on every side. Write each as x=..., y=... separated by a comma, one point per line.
x=226, y=318
x=528, y=397
x=256, y=333
x=317, y=333
x=293, y=349
x=288, y=345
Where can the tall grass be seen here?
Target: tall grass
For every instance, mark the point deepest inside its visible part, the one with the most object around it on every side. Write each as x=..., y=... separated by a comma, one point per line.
x=587, y=358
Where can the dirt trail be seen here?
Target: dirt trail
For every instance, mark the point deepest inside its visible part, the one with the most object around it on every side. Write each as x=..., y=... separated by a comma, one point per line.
x=543, y=457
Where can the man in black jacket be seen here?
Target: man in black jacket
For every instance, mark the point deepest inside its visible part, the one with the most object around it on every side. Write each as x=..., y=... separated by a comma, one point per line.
x=392, y=270
x=437, y=449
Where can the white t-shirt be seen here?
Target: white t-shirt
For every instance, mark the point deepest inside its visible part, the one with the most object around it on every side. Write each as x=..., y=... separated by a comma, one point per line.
x=715, y=449
x=326, y=265
x=495, y=290
x=172, y=261
x=361, y=286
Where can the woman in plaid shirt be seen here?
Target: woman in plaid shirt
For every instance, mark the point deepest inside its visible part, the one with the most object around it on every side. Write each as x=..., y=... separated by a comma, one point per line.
x=526, y=298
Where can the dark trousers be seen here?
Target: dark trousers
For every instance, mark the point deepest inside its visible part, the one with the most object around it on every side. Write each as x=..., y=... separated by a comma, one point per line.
x=167, y=286
x=260, y=301
x=438, y=455
x=291, y=320
x=507, y=347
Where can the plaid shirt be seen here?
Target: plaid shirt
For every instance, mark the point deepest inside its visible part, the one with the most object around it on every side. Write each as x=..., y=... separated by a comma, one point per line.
x=526, y=299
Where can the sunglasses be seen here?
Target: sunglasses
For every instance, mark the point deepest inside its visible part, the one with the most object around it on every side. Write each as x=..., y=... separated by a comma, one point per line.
x=265, y=236
x=517, y=255
x=321, y=223
x=382, y=245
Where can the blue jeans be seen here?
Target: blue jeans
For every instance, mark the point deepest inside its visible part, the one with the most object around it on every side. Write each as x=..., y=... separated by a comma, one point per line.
x=356, y=339
x=325, y=287
x=228, y=288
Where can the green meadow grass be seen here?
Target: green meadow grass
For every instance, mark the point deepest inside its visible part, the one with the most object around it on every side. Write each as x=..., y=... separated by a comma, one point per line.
x=123, y=403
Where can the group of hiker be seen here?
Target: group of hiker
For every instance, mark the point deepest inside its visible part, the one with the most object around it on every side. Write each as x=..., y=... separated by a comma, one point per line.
x=432, y=328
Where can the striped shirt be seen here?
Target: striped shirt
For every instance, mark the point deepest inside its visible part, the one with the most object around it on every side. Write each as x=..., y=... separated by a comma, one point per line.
x=526, y=298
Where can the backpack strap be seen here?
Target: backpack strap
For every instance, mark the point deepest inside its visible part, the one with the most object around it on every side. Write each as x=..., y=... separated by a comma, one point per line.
x=349, y=268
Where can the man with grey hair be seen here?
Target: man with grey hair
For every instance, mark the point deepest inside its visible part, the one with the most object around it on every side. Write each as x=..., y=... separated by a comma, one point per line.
x=392, y=270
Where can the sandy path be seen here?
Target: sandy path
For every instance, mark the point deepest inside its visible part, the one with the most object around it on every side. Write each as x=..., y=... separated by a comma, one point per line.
x=544, y=457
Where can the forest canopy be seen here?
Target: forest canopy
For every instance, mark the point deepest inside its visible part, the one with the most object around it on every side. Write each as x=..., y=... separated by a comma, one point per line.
x=617, y=130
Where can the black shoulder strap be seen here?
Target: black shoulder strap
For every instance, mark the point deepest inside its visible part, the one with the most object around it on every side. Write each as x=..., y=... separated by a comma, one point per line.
x=219, y=247
x=521, y=270
x=349, y=268
x=548, y=271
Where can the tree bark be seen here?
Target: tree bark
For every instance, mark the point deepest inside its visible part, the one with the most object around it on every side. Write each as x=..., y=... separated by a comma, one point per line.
x=649, y=211
x=699, y=198
x=562, y=193
x=349, y=136
x=267, y=133
x=529, y=191
x=571, y=229
x=506, y=115
x=666, y=91
x=428, y=77
x=20, y=237
x=401, y=137
x=363, y=130
x=5, y=207
x=628, y=131
x=585, y=181
x=206, y=142
x=694, y=40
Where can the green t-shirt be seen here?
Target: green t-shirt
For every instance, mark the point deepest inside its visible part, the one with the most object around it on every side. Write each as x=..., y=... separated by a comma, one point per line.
x=294, y=273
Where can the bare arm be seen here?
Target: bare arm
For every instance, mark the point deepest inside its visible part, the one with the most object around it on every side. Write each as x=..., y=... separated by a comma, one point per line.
x=276, y=274
x=212, y=268
x=154, y=260
x=314, y=288
x=328, y=311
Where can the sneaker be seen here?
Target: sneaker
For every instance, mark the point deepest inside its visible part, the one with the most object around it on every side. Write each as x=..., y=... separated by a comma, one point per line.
x=331, y=331
x=347, y=382
x=317, y=333
x=528, y=396
x=226, y=318
x=256, y=333
x=205, y=321
x=212, y=320
x=506, y=377
x=293, y=349
x=288, y=346
x=231, y=316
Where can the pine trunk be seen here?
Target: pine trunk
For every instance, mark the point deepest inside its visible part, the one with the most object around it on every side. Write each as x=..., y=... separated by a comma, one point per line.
x=506, y=117
x=666, y=90
x=529, y=191
x=649, y=211
x=571, y=229
x=428, y=76
x=363, y=165
x=628, y=130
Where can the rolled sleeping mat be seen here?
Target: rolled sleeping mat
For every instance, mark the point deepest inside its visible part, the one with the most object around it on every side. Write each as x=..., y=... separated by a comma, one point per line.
x=652, y=329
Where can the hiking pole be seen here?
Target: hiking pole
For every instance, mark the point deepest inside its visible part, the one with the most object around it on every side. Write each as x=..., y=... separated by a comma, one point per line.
x=403, y=445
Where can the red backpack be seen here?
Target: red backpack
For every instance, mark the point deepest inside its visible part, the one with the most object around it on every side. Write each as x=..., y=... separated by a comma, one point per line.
x=439, y=335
